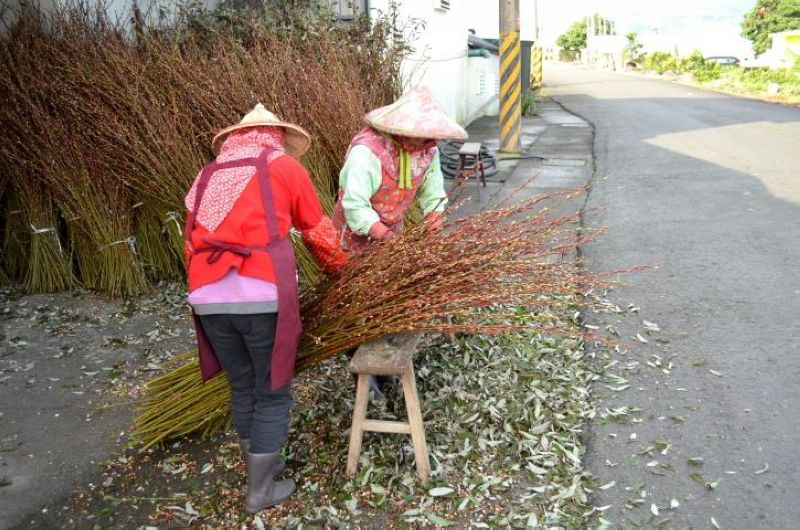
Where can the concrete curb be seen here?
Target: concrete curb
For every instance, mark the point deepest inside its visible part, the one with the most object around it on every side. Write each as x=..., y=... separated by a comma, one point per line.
x=558, y=157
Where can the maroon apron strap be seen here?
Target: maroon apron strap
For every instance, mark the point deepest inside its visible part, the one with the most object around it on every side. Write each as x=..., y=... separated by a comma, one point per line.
x=209, y=365
x=281, y=251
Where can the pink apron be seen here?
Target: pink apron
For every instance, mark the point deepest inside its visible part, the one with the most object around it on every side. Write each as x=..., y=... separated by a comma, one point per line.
x=389, y=202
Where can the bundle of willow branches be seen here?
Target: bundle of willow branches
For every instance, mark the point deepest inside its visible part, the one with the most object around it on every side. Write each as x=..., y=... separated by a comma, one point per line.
x=417, y=282
x=110, y=143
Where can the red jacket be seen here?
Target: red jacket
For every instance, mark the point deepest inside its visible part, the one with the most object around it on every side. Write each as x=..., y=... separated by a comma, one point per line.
x=297, y=205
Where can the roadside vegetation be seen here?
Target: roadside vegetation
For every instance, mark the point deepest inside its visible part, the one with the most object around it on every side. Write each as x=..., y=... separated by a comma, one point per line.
x=766, y=18
x=781, y=83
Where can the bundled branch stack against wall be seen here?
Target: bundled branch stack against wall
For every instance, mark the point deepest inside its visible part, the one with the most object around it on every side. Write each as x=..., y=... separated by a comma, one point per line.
x=104, y=129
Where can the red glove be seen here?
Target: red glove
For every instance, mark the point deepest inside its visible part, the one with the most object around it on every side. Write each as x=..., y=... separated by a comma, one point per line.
x=188, y=252
x=324, y=245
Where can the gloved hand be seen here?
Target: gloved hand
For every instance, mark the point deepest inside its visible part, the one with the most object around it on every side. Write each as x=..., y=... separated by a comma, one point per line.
x=434, y=221
x=380, y=232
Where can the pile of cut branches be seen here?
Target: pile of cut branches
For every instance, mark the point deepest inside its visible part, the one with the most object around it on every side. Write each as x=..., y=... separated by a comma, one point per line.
x=418, y=282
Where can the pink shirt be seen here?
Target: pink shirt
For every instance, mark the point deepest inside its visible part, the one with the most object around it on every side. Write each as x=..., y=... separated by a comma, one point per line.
x=234, y=289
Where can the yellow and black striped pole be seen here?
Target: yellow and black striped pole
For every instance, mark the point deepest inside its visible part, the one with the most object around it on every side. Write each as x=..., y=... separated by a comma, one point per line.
x=536, y=66
x=510, y=92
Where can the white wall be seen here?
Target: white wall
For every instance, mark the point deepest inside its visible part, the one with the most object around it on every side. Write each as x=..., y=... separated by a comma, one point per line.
x=439, y=60
x=482, y=87
x=466, y=87
x=484, y=17
x=527, y=20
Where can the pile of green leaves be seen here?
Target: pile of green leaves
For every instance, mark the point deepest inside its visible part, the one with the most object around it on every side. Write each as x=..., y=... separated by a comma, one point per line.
x=504, y=418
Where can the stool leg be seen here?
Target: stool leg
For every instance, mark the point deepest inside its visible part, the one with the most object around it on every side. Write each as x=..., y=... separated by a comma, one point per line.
x=449, y=336
x=459, y=171
x=415, y=423
x=357, y=429
x=478, y=173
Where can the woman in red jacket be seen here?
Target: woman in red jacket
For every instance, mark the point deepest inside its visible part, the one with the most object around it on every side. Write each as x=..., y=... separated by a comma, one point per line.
x=243, y=280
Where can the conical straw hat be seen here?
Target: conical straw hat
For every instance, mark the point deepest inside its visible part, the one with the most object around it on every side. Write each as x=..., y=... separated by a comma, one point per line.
x=297, y=139
x=417, y=114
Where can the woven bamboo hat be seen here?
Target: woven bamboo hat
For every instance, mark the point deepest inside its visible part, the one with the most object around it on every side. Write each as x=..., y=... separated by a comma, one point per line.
x=416, y=114
x=297, y=139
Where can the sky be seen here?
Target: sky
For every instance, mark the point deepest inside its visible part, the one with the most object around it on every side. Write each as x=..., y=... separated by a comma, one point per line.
x=712, y=25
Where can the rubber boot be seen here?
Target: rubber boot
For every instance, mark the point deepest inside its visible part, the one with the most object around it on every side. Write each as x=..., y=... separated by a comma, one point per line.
x=263, y=490
x=244, y=443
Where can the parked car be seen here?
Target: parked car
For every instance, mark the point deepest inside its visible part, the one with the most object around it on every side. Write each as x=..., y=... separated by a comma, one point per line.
x=724, y=60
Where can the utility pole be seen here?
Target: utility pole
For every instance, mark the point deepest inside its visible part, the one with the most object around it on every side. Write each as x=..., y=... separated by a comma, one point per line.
x=536, y=50
x=510, y=84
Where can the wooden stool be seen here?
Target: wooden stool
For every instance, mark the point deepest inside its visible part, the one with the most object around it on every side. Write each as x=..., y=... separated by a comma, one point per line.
x=392, y=355
x=470, y=163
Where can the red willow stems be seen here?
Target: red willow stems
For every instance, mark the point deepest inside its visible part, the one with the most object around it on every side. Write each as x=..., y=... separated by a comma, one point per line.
x=111, y=127
x=474, y=276
x=438, y=282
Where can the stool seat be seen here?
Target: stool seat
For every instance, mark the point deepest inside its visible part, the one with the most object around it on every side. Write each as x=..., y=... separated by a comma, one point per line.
x=391, y=355
x=388, y=356
x=470, y=163
x=470, y=148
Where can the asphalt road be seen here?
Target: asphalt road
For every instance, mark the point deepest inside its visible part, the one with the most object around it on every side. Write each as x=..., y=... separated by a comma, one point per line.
x=707, y=187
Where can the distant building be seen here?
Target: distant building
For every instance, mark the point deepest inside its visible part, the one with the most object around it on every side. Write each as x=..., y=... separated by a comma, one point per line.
x=604, y=51
x=783, y=52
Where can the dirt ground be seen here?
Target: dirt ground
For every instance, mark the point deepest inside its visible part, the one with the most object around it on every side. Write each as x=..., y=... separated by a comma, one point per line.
x=73, y=365
x=70, y=364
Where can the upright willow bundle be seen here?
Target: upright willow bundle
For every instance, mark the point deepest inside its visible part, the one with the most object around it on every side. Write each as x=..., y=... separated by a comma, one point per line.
x=4, y=181
x=52, y=155
x=33, y=251
x=419, y=282
x=16, y=237
x=159, y=237
x=116, y=130
x=48, y=263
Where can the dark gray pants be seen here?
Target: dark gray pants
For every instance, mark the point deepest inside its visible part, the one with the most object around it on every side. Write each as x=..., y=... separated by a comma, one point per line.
x=243, y=345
